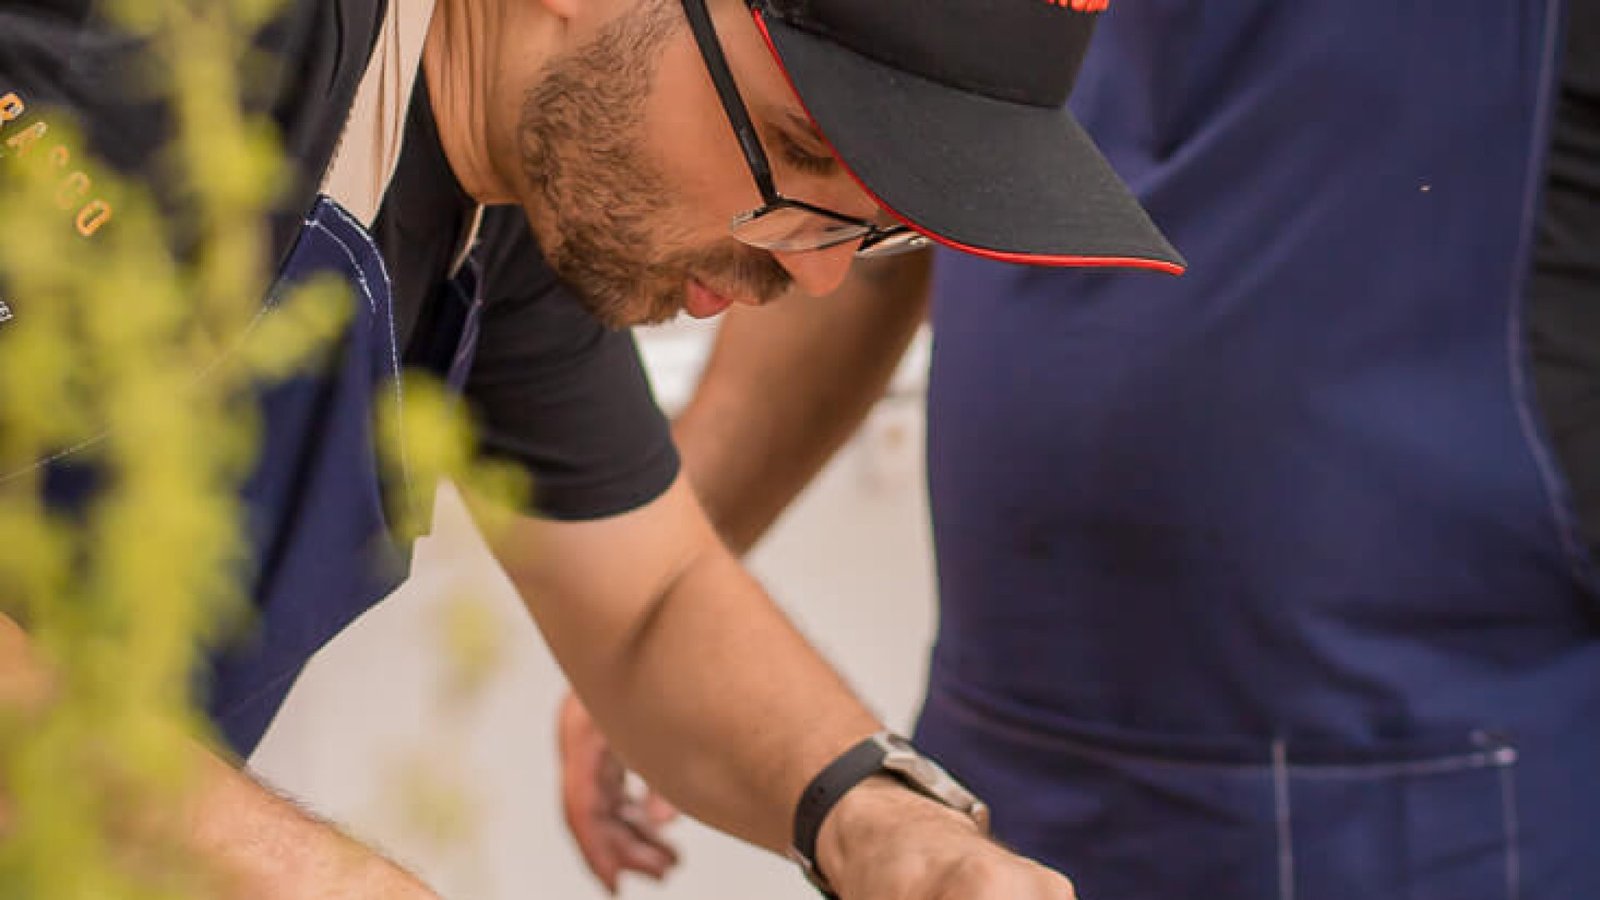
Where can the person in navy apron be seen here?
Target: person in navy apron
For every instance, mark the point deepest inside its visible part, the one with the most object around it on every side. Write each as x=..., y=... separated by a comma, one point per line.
x=321, y=543
x=661, y=154
x=1270, y=581
x=321, y=548
x=1276, y=580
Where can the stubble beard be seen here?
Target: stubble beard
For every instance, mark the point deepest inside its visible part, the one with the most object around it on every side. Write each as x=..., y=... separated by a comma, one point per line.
x=604, y=210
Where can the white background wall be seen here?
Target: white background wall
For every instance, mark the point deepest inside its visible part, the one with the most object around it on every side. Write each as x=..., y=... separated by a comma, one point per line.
x=463, y=788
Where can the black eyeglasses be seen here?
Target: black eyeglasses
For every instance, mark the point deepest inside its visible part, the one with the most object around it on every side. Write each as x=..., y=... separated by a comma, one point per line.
x=780, y=223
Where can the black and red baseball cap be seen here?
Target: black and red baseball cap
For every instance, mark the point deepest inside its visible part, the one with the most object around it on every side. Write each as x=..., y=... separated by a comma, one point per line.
x=951, y=114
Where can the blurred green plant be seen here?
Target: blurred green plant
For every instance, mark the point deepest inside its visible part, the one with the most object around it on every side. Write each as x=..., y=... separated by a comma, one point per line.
x=131, y=355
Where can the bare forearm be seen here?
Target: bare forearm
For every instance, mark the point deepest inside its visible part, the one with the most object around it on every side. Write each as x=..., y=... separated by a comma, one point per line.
x=263, y=846
x=254, y=843
x=726, y=711
x=750, y=712
x=698, y=679
x=787, y=384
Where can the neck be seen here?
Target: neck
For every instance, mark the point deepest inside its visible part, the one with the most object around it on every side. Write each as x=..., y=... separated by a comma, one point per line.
x=461, y=60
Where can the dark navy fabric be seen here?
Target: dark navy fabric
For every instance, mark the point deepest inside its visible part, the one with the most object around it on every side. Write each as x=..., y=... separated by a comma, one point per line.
x=553, y=391
x=316, y=503
x=448, y=348
x=317, y=499
x=1261, y=583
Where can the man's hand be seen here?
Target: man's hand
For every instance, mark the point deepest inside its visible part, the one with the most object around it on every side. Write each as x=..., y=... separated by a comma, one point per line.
x=615, y=832
x=901, y=844
x=883, y=841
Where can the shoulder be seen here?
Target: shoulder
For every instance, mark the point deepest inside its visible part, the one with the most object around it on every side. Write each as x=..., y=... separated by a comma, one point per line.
x=75, y=61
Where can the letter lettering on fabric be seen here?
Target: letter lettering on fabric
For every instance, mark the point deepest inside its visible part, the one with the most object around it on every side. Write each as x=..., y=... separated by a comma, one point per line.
x=91, y=217
x=22, y=140
x=72, y=190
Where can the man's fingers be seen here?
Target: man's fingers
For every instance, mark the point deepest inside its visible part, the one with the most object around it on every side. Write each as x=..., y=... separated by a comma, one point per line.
x=586, y=808
x=614, y=847
x=643, y=830
x=615, y=833
x=600, y=855
x=647, y=857
x=607, y=774
x=580, y=797
x=658, y=810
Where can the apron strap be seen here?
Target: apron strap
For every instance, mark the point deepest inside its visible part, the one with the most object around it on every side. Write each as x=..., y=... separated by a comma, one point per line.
x=368, y=150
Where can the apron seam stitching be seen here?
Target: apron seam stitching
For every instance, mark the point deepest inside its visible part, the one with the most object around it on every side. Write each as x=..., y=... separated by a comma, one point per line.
x=1512, y=831
x=361, y=274
x=1443, y=764
x=1283, y=818
x=394, y=341
x=270, y=303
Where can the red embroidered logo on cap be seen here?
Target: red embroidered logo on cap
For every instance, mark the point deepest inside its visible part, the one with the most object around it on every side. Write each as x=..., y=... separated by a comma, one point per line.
x=1083, y=6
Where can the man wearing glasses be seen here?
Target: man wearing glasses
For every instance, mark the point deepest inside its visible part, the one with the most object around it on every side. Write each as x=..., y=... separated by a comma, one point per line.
x=586, y=145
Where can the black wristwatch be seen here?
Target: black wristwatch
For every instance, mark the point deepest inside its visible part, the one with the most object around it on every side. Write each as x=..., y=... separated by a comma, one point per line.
x=887, y=753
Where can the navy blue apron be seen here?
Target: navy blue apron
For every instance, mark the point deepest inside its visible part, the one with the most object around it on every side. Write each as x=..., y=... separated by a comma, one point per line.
x=317, y=505
x=317, y=501
x=1260, y=583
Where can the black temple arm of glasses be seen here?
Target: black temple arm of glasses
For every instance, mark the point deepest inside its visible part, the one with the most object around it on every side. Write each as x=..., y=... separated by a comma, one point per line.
x=705, y=34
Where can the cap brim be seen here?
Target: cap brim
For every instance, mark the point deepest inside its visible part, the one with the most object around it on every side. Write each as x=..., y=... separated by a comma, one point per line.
x=1004, y=180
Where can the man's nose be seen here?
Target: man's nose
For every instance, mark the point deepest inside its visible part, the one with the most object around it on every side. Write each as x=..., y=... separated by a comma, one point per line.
x=819, y=272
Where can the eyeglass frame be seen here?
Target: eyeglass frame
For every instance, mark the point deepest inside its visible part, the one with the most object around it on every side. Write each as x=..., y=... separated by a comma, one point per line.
x=760, y=166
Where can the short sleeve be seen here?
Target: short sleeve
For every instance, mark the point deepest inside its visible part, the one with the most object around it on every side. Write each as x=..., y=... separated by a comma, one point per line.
x=558, y=393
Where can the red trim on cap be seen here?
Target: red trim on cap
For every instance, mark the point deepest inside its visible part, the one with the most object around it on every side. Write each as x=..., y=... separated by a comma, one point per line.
x=1079, y=262
x=1131, y=262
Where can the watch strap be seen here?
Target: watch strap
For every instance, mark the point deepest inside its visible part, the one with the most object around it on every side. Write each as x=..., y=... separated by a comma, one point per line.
x=825, y=790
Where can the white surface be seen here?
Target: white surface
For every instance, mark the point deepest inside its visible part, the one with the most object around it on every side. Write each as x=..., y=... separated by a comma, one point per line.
x=851, y=563
x=675, y=353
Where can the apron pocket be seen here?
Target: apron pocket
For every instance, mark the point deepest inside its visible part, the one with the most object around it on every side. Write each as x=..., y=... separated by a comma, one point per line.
x=1412, y=827
x=1125, y=817
x=1138, y=816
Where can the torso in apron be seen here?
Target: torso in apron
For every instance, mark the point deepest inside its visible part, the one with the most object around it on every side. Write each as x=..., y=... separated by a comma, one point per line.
x=316, y=502
x=1259, y=583
x=318, y=498
x=321, y=548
